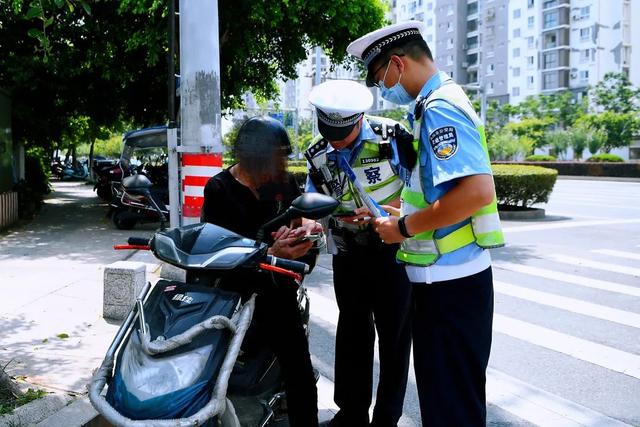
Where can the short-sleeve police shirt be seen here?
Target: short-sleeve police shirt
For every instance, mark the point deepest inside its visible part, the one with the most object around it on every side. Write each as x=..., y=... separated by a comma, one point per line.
x=450, y=149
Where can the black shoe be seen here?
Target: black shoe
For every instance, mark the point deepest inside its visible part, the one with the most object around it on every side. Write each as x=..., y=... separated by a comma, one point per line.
x=341, y=421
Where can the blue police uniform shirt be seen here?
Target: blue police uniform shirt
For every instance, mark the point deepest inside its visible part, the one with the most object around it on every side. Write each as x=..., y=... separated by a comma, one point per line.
x=352, y=151
x=439, y=173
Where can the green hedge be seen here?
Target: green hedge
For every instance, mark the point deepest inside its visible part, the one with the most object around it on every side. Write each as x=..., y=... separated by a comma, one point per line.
x=605, y=157
x=519, y=185
x=540, y=158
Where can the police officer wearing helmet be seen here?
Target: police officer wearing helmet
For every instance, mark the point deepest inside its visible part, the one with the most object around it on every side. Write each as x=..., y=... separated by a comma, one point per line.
x=448, y=218
x=242, y=198
x=371, y=288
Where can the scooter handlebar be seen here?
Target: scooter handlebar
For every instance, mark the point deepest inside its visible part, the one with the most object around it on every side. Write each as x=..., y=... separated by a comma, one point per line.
x=139, y=241
x=288, y=264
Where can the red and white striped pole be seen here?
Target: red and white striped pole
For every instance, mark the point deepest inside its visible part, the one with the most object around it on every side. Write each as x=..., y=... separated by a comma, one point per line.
x=196, y=171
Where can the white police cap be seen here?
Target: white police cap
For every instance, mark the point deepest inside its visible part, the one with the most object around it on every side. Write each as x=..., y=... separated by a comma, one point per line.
x=371, y=45
x=340, y=104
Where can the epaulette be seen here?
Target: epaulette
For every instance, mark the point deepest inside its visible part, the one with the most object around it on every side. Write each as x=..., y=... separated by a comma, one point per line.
x=317, y=147
x=385, y=130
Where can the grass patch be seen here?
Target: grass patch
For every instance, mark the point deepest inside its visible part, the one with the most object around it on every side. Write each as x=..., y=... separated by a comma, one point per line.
x=9, y=402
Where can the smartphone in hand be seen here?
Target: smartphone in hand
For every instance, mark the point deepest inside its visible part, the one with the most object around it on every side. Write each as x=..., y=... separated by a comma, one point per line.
x=309, y=238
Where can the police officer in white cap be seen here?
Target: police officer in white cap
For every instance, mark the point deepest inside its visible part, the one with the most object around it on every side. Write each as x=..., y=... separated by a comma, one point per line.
x=447, y=221
x=372, y=290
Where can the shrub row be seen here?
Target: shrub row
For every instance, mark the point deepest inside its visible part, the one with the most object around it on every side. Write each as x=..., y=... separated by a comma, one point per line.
x=611, y=169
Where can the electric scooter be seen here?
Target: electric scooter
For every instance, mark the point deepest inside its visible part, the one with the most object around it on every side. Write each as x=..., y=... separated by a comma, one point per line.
x=181, y=358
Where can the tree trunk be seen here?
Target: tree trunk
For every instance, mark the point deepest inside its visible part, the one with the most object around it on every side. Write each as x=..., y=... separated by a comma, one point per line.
x=92, y=177
x=7, y=384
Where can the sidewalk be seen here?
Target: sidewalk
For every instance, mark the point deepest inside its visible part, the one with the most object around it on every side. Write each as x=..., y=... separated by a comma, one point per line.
x=51, y=279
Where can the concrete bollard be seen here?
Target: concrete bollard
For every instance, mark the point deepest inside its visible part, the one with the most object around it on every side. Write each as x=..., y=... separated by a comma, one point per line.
x=123, y=282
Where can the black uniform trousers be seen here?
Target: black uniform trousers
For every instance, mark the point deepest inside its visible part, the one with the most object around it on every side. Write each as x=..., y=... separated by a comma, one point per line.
x=452, y=323
x=372, y=291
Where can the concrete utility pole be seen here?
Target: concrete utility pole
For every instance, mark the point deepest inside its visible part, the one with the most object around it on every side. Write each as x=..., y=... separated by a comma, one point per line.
x=316, y=81
x=200, y=139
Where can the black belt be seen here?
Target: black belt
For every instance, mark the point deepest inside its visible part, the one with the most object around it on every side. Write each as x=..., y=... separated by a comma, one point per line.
x=346, y=239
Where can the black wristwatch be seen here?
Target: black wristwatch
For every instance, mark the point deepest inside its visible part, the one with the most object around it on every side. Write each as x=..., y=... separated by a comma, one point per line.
x=403, y=227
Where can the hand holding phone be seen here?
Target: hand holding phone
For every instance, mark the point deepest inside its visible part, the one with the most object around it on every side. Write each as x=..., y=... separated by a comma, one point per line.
x=309, y=238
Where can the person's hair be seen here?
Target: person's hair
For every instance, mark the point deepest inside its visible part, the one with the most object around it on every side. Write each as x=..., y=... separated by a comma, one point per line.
x=260, y=144
x=414, y=49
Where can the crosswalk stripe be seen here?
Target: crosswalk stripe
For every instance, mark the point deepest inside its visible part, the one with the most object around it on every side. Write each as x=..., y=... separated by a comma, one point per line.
x=615, y=268
x=570, y=304
x=540, y=407
x=598, y=354
x=568, y=224
x=510, y=394
x=573, y=279
x=616, y=253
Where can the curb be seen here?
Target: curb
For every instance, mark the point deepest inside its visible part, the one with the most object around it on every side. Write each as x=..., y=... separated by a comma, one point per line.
x=532, y=213
x=76, y=414
x=36, y=411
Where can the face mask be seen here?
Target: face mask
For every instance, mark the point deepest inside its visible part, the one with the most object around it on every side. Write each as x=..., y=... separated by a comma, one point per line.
x=396, y=94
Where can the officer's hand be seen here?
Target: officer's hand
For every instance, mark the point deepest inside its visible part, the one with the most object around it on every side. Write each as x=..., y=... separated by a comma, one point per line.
x=362, y=216
x=391, y=210
x=388, y=230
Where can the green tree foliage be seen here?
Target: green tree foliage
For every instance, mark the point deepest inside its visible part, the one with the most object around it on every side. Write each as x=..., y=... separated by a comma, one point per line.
x=619, y=128
x=108, y=61
x=558, y=141
x=616, y=94
x=533, y=128
x=505, y=145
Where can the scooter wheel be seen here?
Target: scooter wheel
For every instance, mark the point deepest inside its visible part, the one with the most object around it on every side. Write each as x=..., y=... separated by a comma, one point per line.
x=123, y=223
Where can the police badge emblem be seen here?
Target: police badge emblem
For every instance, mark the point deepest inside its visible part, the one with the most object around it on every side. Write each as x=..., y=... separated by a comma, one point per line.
x=444, y=142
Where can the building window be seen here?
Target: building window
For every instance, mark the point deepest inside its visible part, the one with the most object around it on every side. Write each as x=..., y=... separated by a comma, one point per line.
x=449, y=59
x=490, y=69
x=550, y=20
x=550, y=81
x=429, y=22
x=530, y=4
x=516, y=33
x=585, y=33
x=530, y=42
x=550, y=41
x=549, y=3
x=429, y=6
x=515, y=91
x=490, y=88
x=430, y=38
x=550, y=60
x=419, y=2
x=584, y=75
x=530, y=82
x=450, y=10
x=516, y=14
x=449, y=27
x=530, y=61
x=530, y=22
x=585, y=12
x=449, y=43
x=472, y=25
x=516, y=72
x=516, y=52
x=585, y=55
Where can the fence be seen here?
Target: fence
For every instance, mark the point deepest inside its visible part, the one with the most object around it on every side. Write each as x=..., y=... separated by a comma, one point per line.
x=8, y=209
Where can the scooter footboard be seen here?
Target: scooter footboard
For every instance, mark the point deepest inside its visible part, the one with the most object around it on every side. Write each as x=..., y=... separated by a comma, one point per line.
x=217, y=405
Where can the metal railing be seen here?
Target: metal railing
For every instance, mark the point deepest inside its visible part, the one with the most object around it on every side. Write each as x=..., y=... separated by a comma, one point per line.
x=8, y=209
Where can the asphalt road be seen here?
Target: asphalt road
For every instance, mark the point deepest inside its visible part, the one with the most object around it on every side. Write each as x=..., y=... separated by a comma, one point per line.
x=566, y=342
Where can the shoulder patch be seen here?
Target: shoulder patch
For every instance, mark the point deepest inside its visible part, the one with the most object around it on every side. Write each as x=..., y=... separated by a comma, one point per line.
x=444, y=142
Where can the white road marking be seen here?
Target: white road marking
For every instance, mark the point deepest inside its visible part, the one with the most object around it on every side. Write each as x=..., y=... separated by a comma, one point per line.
x=568, y=224
x=619, y=254
x=598, y=354
x=510, y=394
x=615, y=268
x=540, y=407
x=570, y=304
x=573, y=279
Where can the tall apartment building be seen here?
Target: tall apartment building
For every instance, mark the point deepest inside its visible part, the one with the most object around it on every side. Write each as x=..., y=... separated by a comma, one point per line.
x=569, y=44
x=517, y=48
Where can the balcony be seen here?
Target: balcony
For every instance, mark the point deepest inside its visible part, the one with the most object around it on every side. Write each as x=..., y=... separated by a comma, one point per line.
x=553, y=4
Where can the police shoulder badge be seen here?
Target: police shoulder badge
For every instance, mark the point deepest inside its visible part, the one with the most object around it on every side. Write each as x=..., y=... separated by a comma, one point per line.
x=444, y=142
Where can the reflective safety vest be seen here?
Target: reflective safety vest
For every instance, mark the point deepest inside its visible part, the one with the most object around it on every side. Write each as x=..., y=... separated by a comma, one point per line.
x=372, y=166
x=484, y=229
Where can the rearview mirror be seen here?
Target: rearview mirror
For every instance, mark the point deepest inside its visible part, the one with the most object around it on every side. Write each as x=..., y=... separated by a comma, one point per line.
x=312, y=206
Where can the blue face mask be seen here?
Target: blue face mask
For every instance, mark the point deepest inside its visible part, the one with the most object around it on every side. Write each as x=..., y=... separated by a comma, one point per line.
x=396, y=94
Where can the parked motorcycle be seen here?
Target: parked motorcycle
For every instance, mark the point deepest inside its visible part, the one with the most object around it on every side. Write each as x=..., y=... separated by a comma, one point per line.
x=178, y=358
x=128, y=209
x=80, y=171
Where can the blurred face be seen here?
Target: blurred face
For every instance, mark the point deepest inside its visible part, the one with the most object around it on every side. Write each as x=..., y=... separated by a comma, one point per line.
x=348, y=140
x=269, y=165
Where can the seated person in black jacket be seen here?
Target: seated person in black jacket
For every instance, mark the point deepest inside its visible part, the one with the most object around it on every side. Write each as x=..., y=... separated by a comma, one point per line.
x=242, y=198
